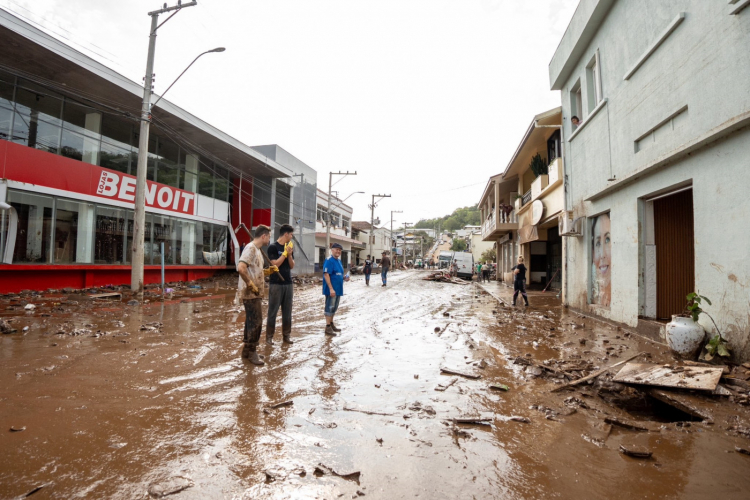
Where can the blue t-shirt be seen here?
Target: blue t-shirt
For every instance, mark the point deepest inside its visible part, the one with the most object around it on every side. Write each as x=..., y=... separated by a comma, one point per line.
x=335, y=270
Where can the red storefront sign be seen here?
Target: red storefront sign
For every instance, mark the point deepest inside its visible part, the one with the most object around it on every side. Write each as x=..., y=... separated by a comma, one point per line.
x=32, y=166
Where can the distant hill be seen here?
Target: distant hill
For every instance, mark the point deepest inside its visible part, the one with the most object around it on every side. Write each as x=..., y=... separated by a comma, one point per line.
x=466, y=216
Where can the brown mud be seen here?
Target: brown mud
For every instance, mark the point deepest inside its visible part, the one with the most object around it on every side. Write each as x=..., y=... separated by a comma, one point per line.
x=110, y=400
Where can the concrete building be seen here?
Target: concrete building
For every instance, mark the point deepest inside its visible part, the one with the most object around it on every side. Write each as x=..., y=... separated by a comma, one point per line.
x=477, y=245
x=520, y=208
x=340, y=222
x=657, y=170
x=377, y=240
x=68, y=153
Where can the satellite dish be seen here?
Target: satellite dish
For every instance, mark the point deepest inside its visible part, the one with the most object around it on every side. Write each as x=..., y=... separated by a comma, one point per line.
x=537, y=212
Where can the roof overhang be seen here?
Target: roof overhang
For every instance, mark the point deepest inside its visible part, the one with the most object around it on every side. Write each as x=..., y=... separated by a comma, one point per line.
x=535, y=139
x=586, y=20
x=30, y=51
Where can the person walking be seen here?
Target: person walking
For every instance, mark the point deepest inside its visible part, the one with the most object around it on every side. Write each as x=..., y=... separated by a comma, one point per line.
x=486, y=272
x=479, y=271
x=281, y=288
x=519, y=282
x=333, y=287
x=367, y=270
x=385, y=265
x=250, y=291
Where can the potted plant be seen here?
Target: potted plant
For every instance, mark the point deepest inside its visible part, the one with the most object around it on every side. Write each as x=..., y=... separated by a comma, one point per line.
x=685, y=335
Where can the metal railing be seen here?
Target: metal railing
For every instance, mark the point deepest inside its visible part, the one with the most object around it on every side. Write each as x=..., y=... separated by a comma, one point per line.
x=526, y=197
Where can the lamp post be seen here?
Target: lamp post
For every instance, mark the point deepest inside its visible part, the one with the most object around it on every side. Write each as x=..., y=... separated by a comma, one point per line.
x=372, y=219
x=328, y=210
x=393, y=243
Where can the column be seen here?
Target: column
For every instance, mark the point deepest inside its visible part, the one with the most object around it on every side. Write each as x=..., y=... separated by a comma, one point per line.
x=191, y=167
x=91, y=141
x=85, y=234
x=274, y=235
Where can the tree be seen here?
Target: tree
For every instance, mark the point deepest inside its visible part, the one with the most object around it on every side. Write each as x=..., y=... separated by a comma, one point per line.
x=458, y=245
x=488, y=255
x=466, y=216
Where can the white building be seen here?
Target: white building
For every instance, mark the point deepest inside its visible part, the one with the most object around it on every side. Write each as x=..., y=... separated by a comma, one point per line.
x=377, y=240
x=340, y=222
x=657, y=171
x=477, y=246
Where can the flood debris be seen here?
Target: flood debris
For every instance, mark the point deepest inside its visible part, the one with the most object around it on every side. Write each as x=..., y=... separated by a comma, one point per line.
x=635, y=451
x=686, y=403
x=595, y=374
x=322, y=470
x=625, y=424
x=445, y=277
x=680, y=377
x=280, y=404
x=5, y=327
x=13, y=428
x=499, y=387
x=30, y=307
x=369, y=412
x=108, y=295
x=35, y=490
x=473, y=421
x=451, y=371
x=174, y=484
x=517, y=418
x=744, y=451
x=444, y=387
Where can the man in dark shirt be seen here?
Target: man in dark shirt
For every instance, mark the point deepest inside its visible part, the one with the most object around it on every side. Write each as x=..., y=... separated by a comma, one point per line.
x=367, y=270
x=519, y=282
x=281, y=292
x=385, y=265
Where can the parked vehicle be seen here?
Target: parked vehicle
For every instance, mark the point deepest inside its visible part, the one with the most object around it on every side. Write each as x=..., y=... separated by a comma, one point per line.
x=465, y=264
x=444, y=259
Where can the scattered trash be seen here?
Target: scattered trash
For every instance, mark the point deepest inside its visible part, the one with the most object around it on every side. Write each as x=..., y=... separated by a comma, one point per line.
x=625, y=424
x=451, y=371
x=500, y=387
x=473, y=421
x=634, y=452
x=443, y=388
x=5, y=327
x=595, y=374
x=681, y=377
x=368, y=412
x=516, y=418
x=110, y=295
x=744, y=451
x=169, y=486
x=281, y=405
x=30, y=307
x=17, y=429
x=133, y=302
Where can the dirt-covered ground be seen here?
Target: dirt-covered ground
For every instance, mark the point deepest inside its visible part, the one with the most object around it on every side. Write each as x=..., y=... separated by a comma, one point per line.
x=103, y=398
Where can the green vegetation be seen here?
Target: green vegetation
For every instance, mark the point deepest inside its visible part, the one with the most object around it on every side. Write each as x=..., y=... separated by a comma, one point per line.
x=466, y=216
x=458, y=245
x=488, y=255
x=538, y=165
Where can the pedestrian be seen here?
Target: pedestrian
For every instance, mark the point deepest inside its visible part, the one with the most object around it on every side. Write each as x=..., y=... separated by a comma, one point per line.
x=367, y=270
x=385, y=265
x=250, y=291
x=486, y=273
x=333, y=287
x=281, y=288
x=519, y=282
x=479, y=271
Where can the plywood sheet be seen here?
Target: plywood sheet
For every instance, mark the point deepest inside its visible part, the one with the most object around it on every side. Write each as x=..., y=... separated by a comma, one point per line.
x=680, y=377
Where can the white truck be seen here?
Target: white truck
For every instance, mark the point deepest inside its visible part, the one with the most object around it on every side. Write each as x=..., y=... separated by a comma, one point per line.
x=444, y=259
x=465, y=264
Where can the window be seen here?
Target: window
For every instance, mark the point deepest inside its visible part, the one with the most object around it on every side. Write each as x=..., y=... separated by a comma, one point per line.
x=74, y=237
x=206, y=179
x=6, y=104
x=593, y=83
x=167, y=162
x=109, y=240
x=576, y=103
x=164, y=231
x=221, y=191
x=36, y=123
x=34, y=227
x=117, y=151
x=190, y=176
x=81, y=137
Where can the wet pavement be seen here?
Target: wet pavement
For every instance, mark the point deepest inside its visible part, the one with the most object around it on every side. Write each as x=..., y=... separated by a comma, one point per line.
x=113, y=401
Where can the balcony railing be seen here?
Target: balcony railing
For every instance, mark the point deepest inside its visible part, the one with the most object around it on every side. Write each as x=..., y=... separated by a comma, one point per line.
x=526, y=198
x=489, y=225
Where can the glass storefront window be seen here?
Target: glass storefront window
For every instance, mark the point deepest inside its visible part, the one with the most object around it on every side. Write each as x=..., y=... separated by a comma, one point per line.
x=109, y=246
x=221, y=191
x=81, y=135
x=206, y=179
x=36, y=123
x=185, y=252
x=74, y=232
x=34, y=227
x=147, y=248
x=6, y=104
x=165, y=232
x=190, y=174
x=117, y=152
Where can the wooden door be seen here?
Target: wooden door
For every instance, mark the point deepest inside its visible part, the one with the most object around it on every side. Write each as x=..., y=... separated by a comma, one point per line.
x=675, y=252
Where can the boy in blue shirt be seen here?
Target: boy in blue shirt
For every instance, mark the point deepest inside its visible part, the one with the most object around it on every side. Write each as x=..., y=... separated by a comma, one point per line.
x=333, y=286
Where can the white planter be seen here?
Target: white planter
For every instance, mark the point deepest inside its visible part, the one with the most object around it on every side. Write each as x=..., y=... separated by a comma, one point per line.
x=684, y=337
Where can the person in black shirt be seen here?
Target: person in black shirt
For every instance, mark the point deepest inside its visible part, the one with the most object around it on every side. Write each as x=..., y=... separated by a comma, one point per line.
x=519, y=282
x=367, y=270
x=281, y=292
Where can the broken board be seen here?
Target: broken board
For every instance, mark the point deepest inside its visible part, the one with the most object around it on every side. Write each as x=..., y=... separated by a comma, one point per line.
x=680, y=377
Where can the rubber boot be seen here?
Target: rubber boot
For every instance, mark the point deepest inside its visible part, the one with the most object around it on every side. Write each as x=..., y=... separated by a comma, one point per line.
x=335, y=328
x=246, y=351
x=255, y=359
x=287, y=335
x=329, y=331
x=269, y=334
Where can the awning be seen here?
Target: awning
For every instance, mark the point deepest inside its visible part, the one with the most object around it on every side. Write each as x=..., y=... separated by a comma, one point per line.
x=527, y=234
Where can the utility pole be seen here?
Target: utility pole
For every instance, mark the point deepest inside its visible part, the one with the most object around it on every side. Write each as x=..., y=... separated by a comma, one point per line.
x=139, y=220
x=406, y=228
x=393, y=242
x=328, y=210
x=372, y=219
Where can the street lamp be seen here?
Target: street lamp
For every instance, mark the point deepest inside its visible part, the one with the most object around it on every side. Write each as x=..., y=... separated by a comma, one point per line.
x=217, y=49
x=372, y=219
x=328, y=222
x=328, y=210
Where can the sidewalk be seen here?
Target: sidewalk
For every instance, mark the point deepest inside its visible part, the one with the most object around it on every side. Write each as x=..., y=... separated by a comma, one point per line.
x=504, y=293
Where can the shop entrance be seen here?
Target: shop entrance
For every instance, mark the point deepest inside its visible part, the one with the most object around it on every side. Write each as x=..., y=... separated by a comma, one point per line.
x=554, y=259
x=674, y=252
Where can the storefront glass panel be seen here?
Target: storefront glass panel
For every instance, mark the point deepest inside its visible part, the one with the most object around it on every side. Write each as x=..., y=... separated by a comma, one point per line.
x=81, y=138
x=74, y=235
x=164, y=230
x=37, y=120
x=6, y=104
x=109, y=241
x=117, y=152
x=34, y=227
x=206, y=179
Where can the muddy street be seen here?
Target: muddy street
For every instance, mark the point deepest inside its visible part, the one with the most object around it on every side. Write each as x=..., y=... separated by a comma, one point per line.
x=109, y=400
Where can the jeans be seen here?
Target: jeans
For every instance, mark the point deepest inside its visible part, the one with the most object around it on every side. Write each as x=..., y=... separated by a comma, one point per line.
x=367, y=277
x=384, y=275
x=280, y=296
x=332, y=305
x=253, y=321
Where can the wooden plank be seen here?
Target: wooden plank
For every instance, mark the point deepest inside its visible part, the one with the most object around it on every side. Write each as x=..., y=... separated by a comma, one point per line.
x=451, y=371
x=680, y=377
x=685, y=402
x=594, y=375
x=109, y=295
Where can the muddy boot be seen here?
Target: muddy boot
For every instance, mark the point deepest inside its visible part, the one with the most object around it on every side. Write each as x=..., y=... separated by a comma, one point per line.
x=335, y=328
x=288, y=340
x=246, y=351
x=269, y=335
x=329, y=331
x=255, y=359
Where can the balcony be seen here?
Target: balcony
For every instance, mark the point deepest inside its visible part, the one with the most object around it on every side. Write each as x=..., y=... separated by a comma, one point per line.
x=495, y=227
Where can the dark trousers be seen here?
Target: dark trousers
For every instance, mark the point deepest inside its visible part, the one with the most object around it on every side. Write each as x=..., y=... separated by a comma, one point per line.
x=485, y=275
x=384, y=274
x=520, y=286
x=280, y=296
x=253, y=321
x=367, y=277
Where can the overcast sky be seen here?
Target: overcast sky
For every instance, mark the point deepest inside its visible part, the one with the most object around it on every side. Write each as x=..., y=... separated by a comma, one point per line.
x=425, y=99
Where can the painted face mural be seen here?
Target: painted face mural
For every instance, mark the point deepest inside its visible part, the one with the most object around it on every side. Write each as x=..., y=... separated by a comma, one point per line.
x=601, y=266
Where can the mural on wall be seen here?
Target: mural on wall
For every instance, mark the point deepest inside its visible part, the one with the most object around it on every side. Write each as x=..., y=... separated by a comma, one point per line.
x=601, y=261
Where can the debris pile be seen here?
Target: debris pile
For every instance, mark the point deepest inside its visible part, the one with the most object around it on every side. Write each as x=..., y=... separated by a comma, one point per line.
x=445, y=277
